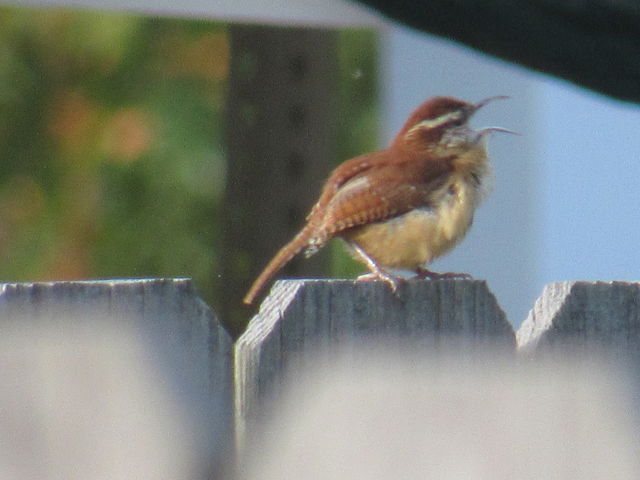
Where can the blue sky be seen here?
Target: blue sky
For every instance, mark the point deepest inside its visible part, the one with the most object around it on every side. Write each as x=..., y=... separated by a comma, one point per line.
x=566, y=200
x=591, y=189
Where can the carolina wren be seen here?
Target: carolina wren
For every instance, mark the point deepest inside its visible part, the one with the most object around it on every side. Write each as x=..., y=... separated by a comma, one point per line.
x=400, y=208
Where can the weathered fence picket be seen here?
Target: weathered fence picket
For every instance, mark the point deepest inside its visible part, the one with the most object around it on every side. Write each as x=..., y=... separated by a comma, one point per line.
x=301, y=317
x=302, y=320
x=585, y=316
x=425, y=413
x=172, y=330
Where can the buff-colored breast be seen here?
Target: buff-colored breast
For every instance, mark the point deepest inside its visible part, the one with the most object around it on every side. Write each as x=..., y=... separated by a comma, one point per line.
x=416, y=238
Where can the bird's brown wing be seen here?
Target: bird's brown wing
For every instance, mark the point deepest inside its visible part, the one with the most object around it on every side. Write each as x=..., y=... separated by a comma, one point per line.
x=380, y=192
x=342, y=175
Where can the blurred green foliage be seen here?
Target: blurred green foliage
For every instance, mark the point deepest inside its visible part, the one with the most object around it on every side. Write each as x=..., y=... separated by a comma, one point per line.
x=111, y=149
x=110, y=144
x=358, y=116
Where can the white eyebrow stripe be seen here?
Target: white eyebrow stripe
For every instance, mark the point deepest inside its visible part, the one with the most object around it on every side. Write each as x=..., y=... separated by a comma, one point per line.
x=436, y=122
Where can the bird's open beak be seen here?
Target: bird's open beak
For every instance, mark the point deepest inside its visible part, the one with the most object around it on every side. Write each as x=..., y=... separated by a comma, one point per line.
x=486, y=130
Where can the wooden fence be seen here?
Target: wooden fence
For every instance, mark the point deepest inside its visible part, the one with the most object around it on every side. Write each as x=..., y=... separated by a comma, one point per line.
x=221, y=387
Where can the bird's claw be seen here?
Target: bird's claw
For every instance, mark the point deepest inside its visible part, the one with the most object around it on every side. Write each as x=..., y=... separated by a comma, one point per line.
x=393, y=282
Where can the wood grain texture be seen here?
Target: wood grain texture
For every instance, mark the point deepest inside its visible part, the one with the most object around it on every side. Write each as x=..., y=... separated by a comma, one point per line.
x=304, y=320
x=591, y=317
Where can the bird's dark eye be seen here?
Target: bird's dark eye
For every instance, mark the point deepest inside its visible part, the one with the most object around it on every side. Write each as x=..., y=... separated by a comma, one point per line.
x=458, y=120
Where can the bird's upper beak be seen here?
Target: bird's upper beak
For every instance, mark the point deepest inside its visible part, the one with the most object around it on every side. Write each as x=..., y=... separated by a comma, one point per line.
x=482, y=103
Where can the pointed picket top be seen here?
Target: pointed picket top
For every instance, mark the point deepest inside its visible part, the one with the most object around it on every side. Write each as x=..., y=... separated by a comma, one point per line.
x=302, y=317
x=601, y=316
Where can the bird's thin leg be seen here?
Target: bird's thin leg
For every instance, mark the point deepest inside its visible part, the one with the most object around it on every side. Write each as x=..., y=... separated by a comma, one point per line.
x=422, y=273
x=376, y=271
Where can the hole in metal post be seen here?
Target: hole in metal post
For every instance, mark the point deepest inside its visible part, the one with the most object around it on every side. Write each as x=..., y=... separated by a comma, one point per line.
x=295, y=165
x=248, y=113
x=297, y=116
x=247, y=65
x=299, y=66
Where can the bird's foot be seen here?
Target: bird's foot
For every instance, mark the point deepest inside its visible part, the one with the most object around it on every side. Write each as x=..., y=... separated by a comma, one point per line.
x=422, y=273
x=390, y=280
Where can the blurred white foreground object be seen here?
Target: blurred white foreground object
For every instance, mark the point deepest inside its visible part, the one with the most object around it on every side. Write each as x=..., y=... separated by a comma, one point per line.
x=81, y=400
x=113, y=379
x=414, y=417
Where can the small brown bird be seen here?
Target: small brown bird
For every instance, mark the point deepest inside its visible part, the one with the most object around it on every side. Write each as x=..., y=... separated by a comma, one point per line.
x=402, y=207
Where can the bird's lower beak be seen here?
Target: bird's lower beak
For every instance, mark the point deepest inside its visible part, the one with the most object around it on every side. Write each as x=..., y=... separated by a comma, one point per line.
x=486, y=130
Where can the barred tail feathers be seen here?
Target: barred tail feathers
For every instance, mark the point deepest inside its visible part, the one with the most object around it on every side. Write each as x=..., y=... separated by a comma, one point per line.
x=284, y=256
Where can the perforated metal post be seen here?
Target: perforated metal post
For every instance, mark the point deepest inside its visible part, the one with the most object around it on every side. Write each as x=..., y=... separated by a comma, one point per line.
x=280, y=141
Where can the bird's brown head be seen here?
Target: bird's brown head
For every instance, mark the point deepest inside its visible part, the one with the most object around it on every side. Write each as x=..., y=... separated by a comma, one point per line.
x=441, y=124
